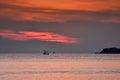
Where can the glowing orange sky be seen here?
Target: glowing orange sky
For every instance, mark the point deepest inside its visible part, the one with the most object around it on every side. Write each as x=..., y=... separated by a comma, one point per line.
x=42, y=36
x=59, y=10
x=91, y=5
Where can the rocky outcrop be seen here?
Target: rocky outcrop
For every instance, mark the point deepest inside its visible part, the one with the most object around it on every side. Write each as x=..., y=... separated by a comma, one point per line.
x=111, y=50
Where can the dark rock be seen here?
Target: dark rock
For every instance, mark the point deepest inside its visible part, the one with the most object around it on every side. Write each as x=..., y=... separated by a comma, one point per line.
x=111, y=50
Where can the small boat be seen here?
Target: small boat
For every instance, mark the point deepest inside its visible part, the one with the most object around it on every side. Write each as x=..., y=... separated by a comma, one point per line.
x=53, y=52
x=46, y=52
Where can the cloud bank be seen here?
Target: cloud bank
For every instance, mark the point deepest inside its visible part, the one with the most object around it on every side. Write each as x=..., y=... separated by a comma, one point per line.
x=61, y=10
x=42, y=36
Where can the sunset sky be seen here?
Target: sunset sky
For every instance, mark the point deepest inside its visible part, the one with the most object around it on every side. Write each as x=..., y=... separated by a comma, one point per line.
x=82, y=26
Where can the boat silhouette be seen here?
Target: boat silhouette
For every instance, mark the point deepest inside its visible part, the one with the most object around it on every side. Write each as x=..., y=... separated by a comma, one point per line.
x=46, y=52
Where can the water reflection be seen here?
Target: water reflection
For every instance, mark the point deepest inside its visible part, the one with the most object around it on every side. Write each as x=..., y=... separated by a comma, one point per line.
x=62, y=67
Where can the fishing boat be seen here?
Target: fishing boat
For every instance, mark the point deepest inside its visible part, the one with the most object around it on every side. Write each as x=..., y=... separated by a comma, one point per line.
x=46, y=52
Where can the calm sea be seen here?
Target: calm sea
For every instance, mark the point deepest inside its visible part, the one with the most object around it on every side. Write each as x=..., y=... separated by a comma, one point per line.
x=58, y=66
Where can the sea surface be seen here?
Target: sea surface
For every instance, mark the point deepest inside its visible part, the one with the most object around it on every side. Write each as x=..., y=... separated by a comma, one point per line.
x=59, y=66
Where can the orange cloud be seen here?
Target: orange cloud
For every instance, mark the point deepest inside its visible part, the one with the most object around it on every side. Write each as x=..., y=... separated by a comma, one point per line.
x=42, y=36
x=59, y=10
x=66, y=4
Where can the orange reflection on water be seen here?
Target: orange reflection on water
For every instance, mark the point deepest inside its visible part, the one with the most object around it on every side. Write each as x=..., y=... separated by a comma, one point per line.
x=59, y=67
x=61, y=77
x=55, y=69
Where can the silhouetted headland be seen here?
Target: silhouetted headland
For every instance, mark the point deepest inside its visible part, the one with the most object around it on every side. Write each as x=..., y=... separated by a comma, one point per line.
x=111, y=51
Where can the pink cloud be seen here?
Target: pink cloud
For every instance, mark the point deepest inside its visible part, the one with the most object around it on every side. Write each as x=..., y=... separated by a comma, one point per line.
x=42, y=36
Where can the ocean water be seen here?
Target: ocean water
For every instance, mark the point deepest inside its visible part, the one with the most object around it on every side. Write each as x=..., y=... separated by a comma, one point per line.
x=37, y=66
